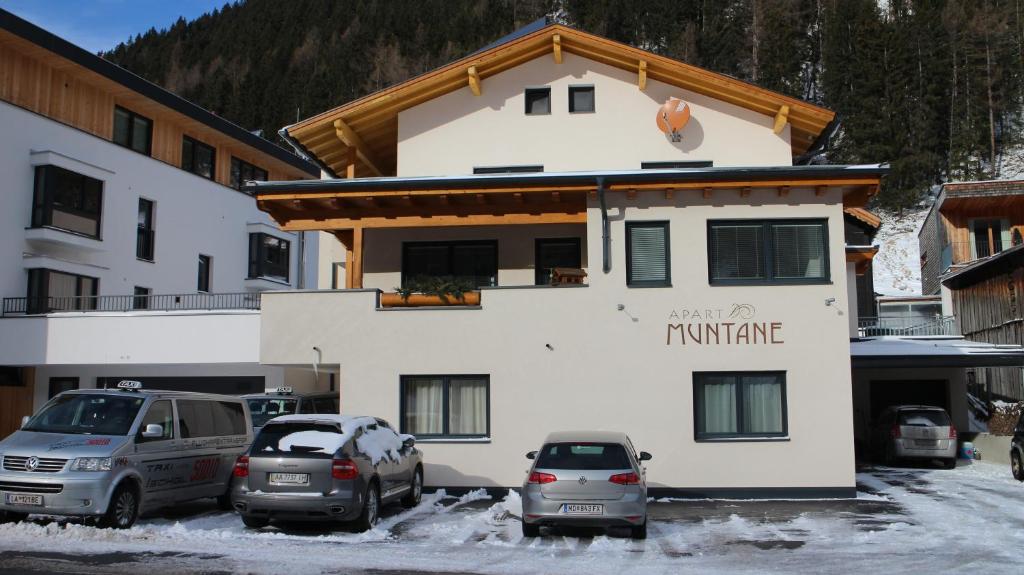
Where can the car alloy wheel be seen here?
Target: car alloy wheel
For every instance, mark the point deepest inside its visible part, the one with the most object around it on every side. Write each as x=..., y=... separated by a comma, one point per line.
x=371, y=507
x=124, y=509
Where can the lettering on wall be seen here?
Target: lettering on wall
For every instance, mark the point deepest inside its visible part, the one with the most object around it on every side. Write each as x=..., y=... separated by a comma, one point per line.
x=736, y=325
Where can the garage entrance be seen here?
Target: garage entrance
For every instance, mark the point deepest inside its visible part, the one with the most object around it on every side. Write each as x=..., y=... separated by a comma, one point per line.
x=885, y=393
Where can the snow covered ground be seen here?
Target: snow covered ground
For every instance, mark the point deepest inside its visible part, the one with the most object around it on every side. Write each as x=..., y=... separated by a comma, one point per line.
x=904, y=521
x=897, y=267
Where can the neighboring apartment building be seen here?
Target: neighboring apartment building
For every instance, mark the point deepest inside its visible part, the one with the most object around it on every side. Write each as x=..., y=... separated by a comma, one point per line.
x=692, y=289
x=127, y=246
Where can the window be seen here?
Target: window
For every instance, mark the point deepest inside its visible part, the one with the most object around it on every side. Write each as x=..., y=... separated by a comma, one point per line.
x=141, y=298
x=773, y=251
x=146, y=238
x=67, y=200
x=160, y=414
x=581, y=99
x=675, y=165
x=647, y=254
x=205, y=267
x=59, y=385
x=538, y=101
x=197, y=157
x=587, y=456
x=49, y=290
x=446, y=406
x=989, y=237
x=751, y=404
x=207, y=418
x=555, y=253
x=507, y=169
x=242, y=171
x=476, y=261
x=268, y=257
x=133, y=131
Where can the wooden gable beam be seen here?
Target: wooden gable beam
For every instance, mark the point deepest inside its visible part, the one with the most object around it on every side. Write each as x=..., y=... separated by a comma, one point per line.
x=474, y=80
x=556, y=41
x=350, y=138
x=642, y=75
x=781, y=117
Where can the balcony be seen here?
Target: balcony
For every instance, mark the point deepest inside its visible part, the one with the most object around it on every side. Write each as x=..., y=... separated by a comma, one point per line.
x=21, y=306
x=906, y=326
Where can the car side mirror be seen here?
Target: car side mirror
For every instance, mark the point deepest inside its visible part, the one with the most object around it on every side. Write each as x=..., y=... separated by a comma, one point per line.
x=24, y=421
x=644, y=456
x=531, y=455
x=408, y=442
x=153, y=430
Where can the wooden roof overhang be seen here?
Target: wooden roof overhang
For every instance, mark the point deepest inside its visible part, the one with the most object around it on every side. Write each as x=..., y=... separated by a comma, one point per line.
x=360, y=138
x=861, y=256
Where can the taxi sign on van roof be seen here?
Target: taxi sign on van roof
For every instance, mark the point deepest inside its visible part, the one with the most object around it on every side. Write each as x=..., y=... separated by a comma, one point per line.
x=129, y=385
x=283, y=390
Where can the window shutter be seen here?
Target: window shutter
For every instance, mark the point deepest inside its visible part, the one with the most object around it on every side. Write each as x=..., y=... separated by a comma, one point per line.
x=737, y=251
x=648, y=254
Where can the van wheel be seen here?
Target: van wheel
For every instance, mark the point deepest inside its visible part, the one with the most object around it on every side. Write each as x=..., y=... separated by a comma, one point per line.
x=255, y=522
x=12, y=517
x=371, y=509
x=531, y=530
x=1016, y=466
x=412, y=499
x=123, y=509
x=639, y=531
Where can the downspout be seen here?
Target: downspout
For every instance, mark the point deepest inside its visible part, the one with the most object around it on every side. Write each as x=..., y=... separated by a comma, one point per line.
x=606, y=234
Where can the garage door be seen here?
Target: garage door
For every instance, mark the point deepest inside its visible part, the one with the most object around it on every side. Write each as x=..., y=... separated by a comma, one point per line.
x=908, y=392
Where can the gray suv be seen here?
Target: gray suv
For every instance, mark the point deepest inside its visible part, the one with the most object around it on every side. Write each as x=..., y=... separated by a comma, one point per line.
x=326, y=468
x=587, y=479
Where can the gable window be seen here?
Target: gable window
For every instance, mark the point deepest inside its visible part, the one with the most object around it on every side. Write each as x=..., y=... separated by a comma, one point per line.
x=133, y=131
x=989, y=237
x=268, y=257
x=647, y=255
x=205, y=268
x=67, y=200
x=475, y=261
x=242, y=171
x=768, y=251
x=739, y=404
x=50, y=290
x=140, y=299
x=554, y=253
x=145, y=239
x=538, y=101
x=197, y=157
x=445, y=405
x=581, y=99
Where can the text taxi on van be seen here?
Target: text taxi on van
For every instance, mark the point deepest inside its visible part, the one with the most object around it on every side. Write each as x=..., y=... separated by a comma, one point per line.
x=109, y=454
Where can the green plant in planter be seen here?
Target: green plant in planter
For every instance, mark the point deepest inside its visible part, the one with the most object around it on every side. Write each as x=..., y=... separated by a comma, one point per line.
x=440, y=286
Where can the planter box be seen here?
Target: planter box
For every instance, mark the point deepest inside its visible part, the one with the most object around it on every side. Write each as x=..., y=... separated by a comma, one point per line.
x=421, y=300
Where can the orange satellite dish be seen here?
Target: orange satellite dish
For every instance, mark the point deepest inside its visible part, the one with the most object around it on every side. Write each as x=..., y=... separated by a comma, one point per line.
x=673, y=116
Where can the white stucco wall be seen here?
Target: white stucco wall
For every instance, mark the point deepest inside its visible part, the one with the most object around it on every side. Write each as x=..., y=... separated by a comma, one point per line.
x=456, y=132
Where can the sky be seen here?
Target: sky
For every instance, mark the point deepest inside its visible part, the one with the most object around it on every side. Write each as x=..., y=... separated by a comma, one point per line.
x=99, y=25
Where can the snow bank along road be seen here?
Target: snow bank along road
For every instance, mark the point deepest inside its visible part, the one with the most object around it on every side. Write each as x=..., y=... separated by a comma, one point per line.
x=903, y=521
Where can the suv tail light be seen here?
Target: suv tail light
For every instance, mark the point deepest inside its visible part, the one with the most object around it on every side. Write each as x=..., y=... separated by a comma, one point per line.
x=537, y=477
x=625, y=478
x=241, y=466
x=952, y=431
x=895, y=432
x=344, y=469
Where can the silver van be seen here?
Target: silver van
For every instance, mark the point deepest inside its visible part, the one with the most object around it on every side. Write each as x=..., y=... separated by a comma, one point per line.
x=110, y=454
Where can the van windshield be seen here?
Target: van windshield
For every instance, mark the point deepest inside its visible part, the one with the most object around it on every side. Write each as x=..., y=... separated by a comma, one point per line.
x=263, y=409
x=89, y=414
x=583, y=456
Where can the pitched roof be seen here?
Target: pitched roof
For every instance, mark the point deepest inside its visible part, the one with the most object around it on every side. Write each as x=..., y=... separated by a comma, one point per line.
x=370, y=124
x=864, y=216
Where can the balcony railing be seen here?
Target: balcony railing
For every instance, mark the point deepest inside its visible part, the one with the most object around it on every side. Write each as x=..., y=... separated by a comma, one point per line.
x=874, y=326
x=122, y=303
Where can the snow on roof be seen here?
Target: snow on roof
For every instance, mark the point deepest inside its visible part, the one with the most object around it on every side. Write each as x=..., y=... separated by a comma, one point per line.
x=937, y=351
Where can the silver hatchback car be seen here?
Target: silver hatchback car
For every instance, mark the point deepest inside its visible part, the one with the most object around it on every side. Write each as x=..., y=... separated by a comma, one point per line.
x=586, y=479
x=919, y=432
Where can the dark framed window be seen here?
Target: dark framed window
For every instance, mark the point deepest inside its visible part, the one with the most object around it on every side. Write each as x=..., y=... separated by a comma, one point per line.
x=538, y=101
x=205, y=269
x=140, y=299
x=145, y=242
x=133, y=131
x=648, y=257
x=768, y=251
x=67, y=200
x=197, y=157
x=59, y=385
x=455, y=406
x=268, y=257
x=671, y=165
x=50, y=290
x=739, y=404
x=989, y=236
x=242, y=171
x=474, y=260
x=581, y=99
x=555, y=253
x=507, y=169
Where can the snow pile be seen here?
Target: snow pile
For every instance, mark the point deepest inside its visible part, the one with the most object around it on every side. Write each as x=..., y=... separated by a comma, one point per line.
x=379, y=443
x=897, y=267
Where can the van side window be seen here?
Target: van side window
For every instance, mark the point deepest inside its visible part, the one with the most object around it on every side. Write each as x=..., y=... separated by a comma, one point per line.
x=232, y=418
x=325, y=405
x=307, y=406
x=161, y=414
x=208, y=418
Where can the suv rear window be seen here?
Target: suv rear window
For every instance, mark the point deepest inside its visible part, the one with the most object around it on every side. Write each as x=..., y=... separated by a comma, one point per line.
x=583, y=456
x=924, y=418
x=298, y=440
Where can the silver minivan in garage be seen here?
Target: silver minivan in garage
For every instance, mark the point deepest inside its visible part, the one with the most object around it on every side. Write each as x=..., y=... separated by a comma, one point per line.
x=920, y=432
x=586, y=479
x=109, y=454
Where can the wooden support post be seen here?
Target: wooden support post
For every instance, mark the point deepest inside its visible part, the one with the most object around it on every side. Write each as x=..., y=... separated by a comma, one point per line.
x=557, y=42
x=350, y=163
x=357, y=258
x=745, y=192
x=707, y=193
x=781, y=117
x=783, y=191
x=474, y=80
x=641, y=81
x=820, y=190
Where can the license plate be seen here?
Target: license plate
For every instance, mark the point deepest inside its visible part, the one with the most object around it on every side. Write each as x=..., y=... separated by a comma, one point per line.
x=926, y=443
x=22, y=499
x=582, y=509
x=289, y=478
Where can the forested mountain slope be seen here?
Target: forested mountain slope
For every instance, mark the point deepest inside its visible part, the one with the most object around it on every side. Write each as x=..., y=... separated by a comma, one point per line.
x=932, y=86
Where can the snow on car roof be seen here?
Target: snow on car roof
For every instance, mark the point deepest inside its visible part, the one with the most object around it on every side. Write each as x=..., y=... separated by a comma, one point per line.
x=343, y=420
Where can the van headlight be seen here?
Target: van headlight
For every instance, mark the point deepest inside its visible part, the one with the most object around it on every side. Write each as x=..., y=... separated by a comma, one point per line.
x=91, y=464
